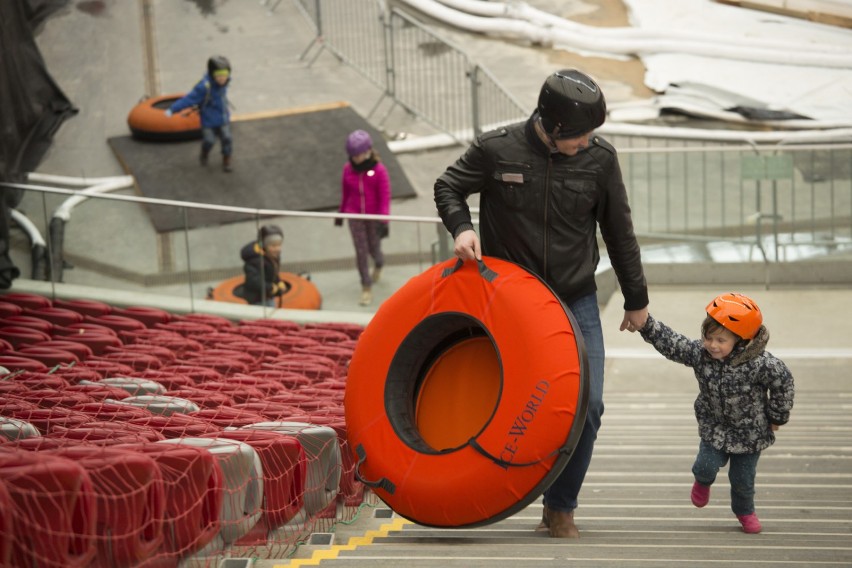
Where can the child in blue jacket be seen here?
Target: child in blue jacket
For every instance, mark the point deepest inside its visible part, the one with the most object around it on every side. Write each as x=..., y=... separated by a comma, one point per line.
x=210, y=97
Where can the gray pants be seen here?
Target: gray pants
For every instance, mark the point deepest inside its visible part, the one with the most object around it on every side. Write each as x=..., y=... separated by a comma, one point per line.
x=740, y=473
x=365, y=237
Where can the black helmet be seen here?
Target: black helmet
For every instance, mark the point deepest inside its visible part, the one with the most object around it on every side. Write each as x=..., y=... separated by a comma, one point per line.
x=570, y=104
x=270, y=234
x=216, y=63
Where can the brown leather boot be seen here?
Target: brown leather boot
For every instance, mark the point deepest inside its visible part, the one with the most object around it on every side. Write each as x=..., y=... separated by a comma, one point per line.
x=205, y=155
x=561, y=524
x=545, y=522
x=226, y=164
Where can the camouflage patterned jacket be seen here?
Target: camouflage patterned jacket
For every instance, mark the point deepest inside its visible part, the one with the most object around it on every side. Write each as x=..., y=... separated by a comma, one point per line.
x=739, y=397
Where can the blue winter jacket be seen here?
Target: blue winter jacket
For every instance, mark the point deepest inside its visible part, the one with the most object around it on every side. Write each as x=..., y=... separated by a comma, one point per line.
x=211, y=100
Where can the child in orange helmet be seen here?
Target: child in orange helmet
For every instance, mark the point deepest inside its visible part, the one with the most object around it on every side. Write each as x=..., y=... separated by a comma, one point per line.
x=745, y=394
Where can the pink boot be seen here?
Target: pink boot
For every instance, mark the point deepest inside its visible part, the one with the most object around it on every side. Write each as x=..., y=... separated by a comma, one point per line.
x=700, y=494
x=750, y=523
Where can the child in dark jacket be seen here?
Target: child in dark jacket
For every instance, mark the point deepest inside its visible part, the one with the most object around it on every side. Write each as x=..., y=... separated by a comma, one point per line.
x=261, y=265
x=745, y=394
x=210, y=97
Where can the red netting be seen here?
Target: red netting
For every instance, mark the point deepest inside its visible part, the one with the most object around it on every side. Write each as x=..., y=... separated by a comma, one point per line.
x=135, y=437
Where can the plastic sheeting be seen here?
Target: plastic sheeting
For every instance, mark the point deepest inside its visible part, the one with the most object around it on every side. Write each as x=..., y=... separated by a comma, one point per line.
x=821, y=94
x=32, y=107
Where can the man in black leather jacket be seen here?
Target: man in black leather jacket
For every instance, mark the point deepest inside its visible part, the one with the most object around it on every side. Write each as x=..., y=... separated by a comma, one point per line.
x=545, y=186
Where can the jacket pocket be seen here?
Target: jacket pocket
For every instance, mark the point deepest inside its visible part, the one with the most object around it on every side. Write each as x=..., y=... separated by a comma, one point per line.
x=576, y=193
x=514, y=185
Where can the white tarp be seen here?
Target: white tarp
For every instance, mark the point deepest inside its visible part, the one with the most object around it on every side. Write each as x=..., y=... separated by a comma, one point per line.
x=823, y=94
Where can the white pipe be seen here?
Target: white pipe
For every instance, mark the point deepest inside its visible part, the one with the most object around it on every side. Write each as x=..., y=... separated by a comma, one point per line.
x=623, y=129
x=64, y=210
x=77, y=181
x=586, y=38
x=29, y=228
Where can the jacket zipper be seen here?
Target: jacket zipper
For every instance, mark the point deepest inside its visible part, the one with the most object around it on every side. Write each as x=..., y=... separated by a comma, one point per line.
x=361, y=193
x=546, y=207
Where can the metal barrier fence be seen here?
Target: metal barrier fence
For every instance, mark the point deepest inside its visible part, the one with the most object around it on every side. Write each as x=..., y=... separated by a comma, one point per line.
x=778, y=205
x=417, y=69
x=790, y=195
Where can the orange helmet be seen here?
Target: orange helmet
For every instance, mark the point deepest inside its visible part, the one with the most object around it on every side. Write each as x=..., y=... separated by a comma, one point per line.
x=737, y=313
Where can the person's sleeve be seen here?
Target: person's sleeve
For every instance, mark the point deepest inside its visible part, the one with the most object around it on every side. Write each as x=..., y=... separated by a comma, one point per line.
x=193, y=98
x=452, y=188
x=384, y=189
x=616, y=223
x=781, y=391
x=671, y=344
x=253, y=280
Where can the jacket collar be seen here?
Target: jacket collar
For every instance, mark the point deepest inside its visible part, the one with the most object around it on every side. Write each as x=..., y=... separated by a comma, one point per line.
x=533, y=138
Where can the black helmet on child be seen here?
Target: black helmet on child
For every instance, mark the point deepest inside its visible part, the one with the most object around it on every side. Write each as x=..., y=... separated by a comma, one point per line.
x=570, y=104
x=216, y=63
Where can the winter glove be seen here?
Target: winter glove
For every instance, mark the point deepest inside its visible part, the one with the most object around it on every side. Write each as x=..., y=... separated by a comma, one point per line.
x=168, y=113
x=338, y=222
x=384, y=230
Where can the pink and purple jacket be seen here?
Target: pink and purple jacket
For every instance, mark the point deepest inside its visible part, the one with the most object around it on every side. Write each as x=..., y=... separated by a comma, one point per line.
x=365, y=192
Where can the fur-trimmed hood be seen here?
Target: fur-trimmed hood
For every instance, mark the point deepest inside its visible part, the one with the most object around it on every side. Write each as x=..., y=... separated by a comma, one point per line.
x=751, y=349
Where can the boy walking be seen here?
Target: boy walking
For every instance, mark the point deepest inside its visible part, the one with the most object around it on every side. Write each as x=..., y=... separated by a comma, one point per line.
x=210, y=97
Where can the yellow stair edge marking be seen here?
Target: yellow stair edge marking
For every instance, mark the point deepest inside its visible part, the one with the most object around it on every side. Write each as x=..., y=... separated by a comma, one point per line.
x=353, y=543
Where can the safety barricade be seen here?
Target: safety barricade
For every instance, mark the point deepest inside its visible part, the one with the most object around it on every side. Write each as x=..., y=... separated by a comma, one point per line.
x=162, y=404
x=53, y=505
x=7, y=533
x=284, y=469
x=202, y=398
x=324, y=464
x=242, y=474
x=82, y=351
x=56, y=316
x=164, y=354
x=147, y=315
x=136, y=360
x=193, y=489
x=116, y=323
x=82, y=306
x=176, y=425
x=48, y=419
x=50, y=356
x=128, y=490
x=134, y=386
x=16, y=429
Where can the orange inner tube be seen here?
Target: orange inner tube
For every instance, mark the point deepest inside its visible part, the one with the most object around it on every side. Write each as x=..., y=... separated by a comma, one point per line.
x=148, y=120
x=301, y=293
x=466, y=394
x=471, y=373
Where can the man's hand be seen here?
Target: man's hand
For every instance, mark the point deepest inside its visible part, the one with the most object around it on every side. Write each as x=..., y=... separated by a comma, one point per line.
x=467, y=246
x=634, y=320
x=168, y=113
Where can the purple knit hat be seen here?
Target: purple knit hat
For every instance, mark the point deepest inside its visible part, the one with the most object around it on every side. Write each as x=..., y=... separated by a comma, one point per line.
x=358, y=142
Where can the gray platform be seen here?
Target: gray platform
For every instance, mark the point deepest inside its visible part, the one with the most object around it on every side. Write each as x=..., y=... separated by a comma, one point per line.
x=288, y=159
